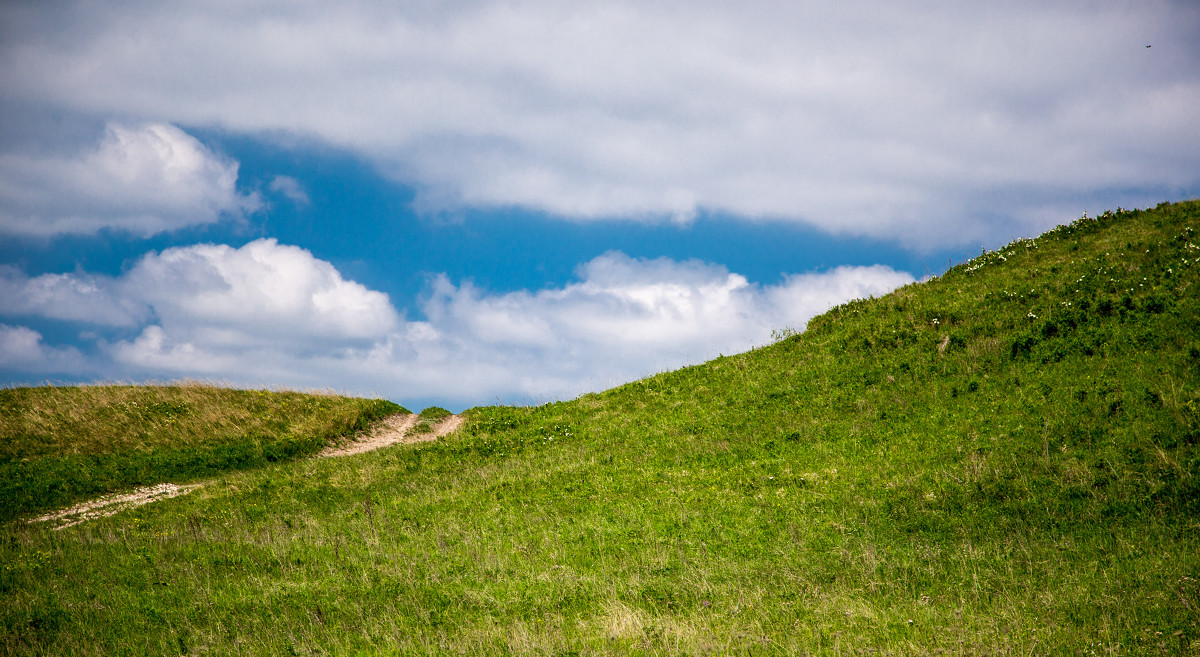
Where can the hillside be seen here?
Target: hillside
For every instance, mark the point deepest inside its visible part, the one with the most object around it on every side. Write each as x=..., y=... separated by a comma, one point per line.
x=60, y=445
x=1001, y=460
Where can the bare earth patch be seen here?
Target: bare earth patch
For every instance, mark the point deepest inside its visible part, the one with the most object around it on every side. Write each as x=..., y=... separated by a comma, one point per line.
x=113, y=504
x=399, y=428
x=394, y=429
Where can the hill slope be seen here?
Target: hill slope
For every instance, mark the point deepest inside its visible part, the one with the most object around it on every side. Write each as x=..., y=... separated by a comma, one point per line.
x=1002, y=460
x=60, y=445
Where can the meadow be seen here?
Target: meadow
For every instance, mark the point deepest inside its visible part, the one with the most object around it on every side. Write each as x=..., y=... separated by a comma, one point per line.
x=1000, y=460
x=60, y=445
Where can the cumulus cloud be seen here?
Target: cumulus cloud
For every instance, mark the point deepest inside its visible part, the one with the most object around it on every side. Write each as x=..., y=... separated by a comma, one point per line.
x=255, y=312
x=627, y=318
x=261, y=293
x=143, y=179
x=929, y=122
x=22, y=350
x=76, y=297
x=268, y=313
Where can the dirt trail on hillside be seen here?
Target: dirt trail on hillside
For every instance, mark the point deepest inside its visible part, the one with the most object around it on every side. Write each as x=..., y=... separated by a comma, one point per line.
x=113, y=504
x=395, y=429
x=398, y=428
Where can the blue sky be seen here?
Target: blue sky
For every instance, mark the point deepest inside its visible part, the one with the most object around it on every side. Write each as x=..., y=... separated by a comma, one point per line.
x=519, y=202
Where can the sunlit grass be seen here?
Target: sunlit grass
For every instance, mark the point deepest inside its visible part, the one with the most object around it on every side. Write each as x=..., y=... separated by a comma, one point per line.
x=966, y=466
x=62, y=444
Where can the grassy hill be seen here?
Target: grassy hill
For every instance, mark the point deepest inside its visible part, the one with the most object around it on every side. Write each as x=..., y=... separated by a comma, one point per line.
x=1002, y=460
x=60, y=445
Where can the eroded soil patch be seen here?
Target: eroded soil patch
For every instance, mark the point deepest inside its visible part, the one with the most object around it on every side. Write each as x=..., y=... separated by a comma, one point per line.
x=113, y=504
x=399, y=428
x=395, y=429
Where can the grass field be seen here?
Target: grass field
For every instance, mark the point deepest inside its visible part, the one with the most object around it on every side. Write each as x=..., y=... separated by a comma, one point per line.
x=59, y=445
x=1002, y=460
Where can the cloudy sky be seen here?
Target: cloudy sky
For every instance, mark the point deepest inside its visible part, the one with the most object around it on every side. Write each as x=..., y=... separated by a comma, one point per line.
x=512, y=202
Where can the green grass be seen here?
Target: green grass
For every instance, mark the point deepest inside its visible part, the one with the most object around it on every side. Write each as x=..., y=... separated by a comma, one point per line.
x=434, y=414
x=427, y=419
x=60, y=445
x=1002, y=460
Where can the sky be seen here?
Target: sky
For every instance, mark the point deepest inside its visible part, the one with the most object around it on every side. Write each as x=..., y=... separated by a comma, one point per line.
x=482, y=202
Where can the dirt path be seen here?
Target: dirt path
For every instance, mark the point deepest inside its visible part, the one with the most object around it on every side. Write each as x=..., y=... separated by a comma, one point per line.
x=394, y=429
x=112, y=504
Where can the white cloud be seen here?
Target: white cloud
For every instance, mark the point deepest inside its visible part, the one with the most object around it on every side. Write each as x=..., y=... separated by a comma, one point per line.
x=257, y=313
x=153, y=351
x=290, y=188
x=76, y=297
x=933, y=123
x=146, y=179
x=22, y=350
x=267, y=313
x=625, y=319
x=261, y=293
